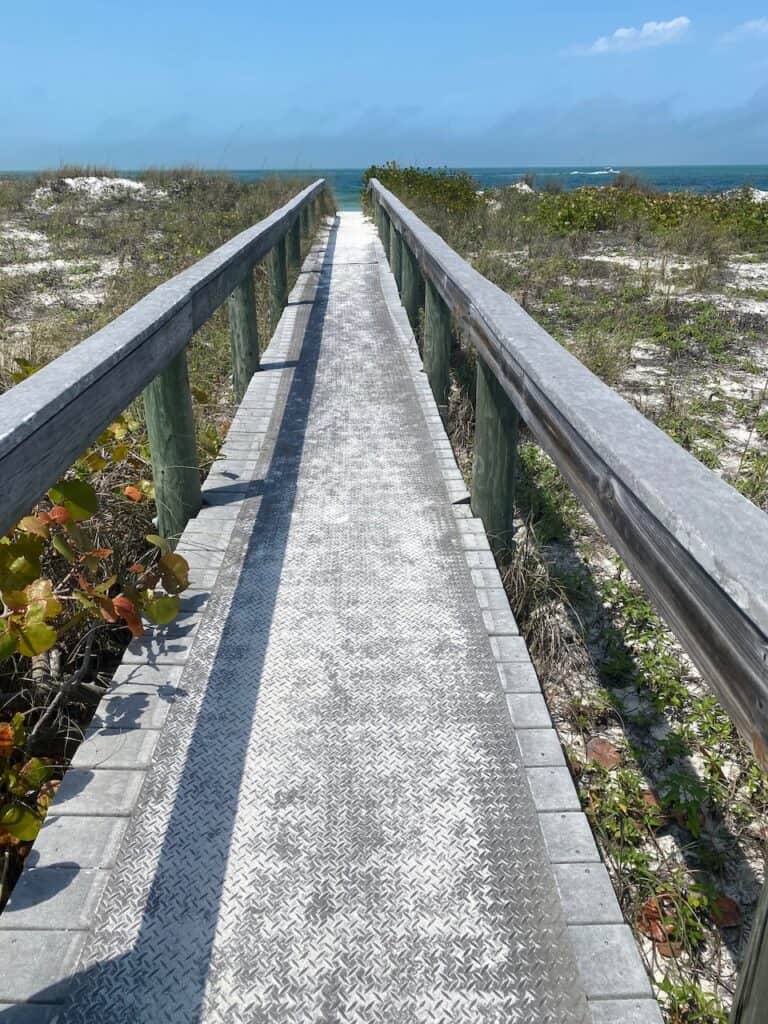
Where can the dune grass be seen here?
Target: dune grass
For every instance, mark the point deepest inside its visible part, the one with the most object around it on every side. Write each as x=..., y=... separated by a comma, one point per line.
x=73, y=256
x=648, y=291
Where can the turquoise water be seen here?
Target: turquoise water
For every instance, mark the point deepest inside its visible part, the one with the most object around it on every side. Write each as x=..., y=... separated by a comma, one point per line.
x=347, y=182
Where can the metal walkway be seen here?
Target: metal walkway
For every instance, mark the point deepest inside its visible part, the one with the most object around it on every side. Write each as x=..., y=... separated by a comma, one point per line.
x=335, y=824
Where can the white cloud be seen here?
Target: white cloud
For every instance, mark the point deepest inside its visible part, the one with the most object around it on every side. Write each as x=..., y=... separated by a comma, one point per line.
x=624, y=40
x=749, y=29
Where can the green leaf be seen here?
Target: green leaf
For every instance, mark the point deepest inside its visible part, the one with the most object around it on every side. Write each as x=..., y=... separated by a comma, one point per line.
x=77, y=536
x=159, y=542
x=31, y=524
x=8, y=645
x=174, y=572
x=162, y=610
x=41, y=593
x=34, y=773
x=16, y=600
x=19, y=733
x=36, y=638
x=77, y=497
x=95, y=461
x=63, y=548
x=19, y=561
x=20, y=822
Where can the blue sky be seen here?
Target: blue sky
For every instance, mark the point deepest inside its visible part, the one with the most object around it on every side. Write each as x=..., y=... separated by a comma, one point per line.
x=245, y=84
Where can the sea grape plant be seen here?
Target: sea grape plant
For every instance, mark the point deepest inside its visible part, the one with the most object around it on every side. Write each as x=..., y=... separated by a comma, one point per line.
x=63, y=586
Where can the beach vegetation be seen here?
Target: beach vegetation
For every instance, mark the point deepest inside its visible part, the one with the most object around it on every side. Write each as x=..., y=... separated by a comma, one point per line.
x=656, y=294
x=84, y=571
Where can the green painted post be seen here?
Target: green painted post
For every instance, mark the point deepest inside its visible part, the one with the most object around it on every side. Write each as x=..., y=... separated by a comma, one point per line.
x=294, y=245
x=171, y=429
x=493, y=463
x=749, y=1006
x=412, y=285
x=395, y=258
x=243, y=335
x=278, y=281
x=437, y=343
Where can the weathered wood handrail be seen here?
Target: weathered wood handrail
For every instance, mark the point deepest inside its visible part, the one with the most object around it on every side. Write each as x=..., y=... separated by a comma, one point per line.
x=699, y=548
x=48, y=420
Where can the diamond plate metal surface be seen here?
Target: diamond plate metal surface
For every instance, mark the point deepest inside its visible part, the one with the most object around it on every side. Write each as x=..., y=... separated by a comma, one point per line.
x=337, y=827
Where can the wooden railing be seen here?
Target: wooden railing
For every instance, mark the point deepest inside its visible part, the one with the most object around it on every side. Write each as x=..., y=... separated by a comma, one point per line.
x=696, y=545
x=48, y=420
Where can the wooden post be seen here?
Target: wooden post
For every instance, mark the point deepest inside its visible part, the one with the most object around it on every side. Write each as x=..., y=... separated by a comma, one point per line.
x=243, y=335
x=294, y=245
x=751, y=1001
x=384, y=229
x=171, y=429
x=395, y=258
x=278, y=281
x=412, y=284
x=493, y=464
x=305, y=221
x=437, y=343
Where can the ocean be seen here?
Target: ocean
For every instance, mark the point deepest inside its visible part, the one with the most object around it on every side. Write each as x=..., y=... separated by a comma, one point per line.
x=347, y=182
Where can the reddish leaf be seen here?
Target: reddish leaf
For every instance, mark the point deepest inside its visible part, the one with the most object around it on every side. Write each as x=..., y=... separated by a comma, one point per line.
x=107, y=608
x=649, y=922
x=99, y=553
x=136, y=568
x=670, y=949
x=127, y=612
x=603, y=752
x=59, y=514
x=654, y=922
x=726, y=913
x=46, y=794
x=6, y=739
x=133, y=493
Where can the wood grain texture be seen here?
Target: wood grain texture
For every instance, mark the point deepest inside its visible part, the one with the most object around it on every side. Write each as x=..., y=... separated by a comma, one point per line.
x=293, y=245
x=48, y=420
x=171, y=429
x=278, y=281
x=437, y=343
x=698, y=547
x=384, y=230
x=395, y=258
x=750, y=1006
x=493, y=462
x=412, y=285
x=243, y=334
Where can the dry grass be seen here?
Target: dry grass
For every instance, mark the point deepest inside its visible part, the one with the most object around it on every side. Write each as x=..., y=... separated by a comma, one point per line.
x=682, y=815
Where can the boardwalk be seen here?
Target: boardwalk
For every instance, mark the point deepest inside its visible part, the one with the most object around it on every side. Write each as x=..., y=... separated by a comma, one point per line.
x=309, y=804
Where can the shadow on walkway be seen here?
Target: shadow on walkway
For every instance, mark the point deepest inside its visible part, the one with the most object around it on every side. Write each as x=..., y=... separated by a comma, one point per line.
x=182, y=908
